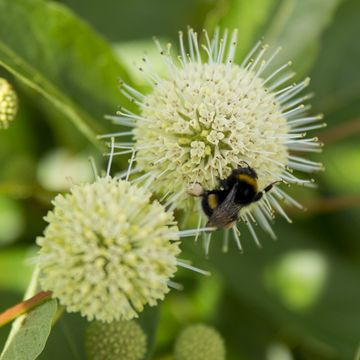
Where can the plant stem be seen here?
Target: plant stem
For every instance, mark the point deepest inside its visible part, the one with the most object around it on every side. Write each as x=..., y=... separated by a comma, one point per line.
x=24, y=307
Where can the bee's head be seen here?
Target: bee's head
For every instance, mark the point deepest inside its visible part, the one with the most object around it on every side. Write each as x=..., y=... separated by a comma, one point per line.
x=246, y=171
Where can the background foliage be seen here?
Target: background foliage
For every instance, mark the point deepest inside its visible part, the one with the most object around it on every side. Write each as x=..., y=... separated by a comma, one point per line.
x=297, y=298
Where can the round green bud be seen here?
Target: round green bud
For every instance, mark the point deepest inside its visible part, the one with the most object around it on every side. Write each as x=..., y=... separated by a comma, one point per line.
x=200, y=342
x=118, y=340
x=8, y=103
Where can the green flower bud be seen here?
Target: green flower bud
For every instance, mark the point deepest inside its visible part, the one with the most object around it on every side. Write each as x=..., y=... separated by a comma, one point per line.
x=8, y=104
x=199, y=342
x=121, y=340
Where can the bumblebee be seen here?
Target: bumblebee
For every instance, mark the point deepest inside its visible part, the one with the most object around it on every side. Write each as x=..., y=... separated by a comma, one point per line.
x=222, y=205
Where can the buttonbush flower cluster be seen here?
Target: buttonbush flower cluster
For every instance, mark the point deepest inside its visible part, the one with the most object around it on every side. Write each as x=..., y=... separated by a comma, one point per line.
x=210, y=115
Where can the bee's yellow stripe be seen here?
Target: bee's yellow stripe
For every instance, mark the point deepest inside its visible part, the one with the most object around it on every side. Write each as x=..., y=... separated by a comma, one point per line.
x=250, y=180
x=212, y=201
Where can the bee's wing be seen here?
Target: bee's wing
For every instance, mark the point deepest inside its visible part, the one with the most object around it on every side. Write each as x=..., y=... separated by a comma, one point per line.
x=227, y=212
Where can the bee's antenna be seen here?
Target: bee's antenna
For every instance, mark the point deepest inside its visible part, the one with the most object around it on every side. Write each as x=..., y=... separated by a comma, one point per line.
x=244, y=162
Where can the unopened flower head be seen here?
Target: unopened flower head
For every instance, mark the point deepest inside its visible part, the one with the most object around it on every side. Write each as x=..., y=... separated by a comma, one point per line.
x=210, y=115
x=119, y=340
x=8, y=104
x=108, y=250
x=200, y=342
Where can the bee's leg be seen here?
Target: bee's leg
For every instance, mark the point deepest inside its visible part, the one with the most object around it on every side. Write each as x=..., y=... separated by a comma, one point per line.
x=270, y=186
x=260, y=194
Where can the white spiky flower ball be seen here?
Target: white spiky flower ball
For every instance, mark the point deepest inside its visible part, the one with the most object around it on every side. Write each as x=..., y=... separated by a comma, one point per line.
x=209, y=115
x=108, y=250
x=8, y=103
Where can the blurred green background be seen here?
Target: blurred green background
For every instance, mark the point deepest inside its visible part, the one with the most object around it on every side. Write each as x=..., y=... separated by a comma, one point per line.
x=298, y=297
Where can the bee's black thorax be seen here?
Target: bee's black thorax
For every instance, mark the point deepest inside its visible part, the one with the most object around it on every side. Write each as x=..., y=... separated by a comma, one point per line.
x=245, y=193
x=247, y=188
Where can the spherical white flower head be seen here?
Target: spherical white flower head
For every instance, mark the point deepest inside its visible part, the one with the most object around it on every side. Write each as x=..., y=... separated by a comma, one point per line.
x=209, y=116
x=108, y=250
x=8, y=104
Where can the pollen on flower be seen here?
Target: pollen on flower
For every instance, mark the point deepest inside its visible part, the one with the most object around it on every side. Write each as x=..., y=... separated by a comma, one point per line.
x=108, y=250
x=8, y=104
x=209, y=116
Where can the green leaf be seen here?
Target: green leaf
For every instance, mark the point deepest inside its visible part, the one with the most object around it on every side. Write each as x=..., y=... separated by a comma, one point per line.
x=54, y=53
x=148, y=320
x=8, y=299
x=67, y=335
x=297, y=27
x=30, y=333
x=336, y=76
x=115, y=19
x=247, y=16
